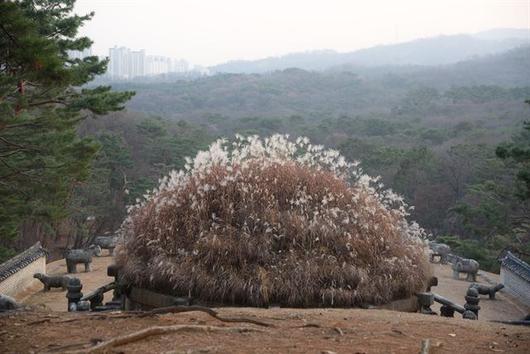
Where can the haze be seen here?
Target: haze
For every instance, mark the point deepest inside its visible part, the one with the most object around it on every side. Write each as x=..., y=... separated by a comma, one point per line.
x=211, y=32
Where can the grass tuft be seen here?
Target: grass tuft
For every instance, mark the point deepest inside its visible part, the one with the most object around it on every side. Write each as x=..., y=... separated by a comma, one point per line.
x=262, y=222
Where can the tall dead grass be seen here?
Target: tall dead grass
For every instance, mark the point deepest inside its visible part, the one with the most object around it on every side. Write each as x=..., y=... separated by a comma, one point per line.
x=271, y=226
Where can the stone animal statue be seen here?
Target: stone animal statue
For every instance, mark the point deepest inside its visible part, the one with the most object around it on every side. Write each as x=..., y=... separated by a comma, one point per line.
x=75, y=256
x=441, y=250
x=58, y=281
x=468, y=266
x=106, y=243
x=487, y=290
x=7, y=303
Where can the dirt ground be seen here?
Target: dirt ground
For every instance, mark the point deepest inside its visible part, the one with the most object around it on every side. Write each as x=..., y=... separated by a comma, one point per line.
x=294, y=331
x=504, y=307
x=45, y=329
x=55, y=299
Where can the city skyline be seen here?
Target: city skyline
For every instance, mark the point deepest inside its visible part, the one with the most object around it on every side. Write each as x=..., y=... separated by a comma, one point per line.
x=127, y=63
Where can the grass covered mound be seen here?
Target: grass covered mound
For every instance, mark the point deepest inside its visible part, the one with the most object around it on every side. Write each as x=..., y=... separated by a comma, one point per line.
x=260, y=222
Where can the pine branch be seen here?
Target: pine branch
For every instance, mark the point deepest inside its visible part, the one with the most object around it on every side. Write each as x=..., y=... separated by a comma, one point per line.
x=12, y=152
x=11, y=37
x=20, y=125
x=47, y=102
x=7, y=142
x=16, y=171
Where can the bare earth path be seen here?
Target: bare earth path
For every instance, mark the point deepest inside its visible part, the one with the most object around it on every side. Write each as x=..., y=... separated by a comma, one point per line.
x=294, y=331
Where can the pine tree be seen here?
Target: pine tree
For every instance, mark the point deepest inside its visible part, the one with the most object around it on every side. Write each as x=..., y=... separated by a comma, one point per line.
x=42, y=102
x=519, y=151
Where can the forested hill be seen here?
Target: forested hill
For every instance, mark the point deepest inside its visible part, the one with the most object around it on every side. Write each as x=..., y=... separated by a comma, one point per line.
x=510, y=68
x=430, y=132
x=341, y=91
x=429, y=51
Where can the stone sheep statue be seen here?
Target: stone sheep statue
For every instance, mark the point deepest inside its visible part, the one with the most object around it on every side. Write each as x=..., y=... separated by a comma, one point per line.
x=468, y=266
x=75, y=256
x=58, y=281
x=106, y=243
x=441, y=250
x=7, y=303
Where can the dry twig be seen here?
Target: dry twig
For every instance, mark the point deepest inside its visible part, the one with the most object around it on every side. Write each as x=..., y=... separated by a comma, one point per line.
x=309, y=325
x=161, y=311
x=159, y=330
x=180, y=309
x=39, y=321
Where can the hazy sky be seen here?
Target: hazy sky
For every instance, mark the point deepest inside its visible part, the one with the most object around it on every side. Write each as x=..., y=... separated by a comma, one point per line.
x=208, y=32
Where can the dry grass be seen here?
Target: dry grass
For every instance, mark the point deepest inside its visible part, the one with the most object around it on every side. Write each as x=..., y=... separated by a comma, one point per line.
x=272, y=231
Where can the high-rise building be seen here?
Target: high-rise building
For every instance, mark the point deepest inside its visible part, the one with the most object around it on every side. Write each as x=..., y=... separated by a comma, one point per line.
x=119, y=62
x=127, y=64
x=157, y=65
x=179, y=66
x=137, y=63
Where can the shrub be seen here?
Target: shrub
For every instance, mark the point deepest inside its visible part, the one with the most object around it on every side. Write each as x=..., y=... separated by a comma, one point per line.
x=260, y=222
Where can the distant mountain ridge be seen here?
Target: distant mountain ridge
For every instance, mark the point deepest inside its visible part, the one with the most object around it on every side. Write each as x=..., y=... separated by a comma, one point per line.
x=503, y=33
x=363, y=90
x=439, y=50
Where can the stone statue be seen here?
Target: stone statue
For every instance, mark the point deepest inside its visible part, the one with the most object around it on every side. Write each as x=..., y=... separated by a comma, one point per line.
x=439, y=250
x=75, y=256
x=487, y=290
x=58, y=281
x=106, y=243
x=468, y=266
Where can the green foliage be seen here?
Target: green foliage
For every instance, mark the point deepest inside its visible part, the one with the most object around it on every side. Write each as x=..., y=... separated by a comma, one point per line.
x=519, y=152
x=474, y=249
x=166, y=145
x=151, y=128
x=486, y=210
x=494, y=210
x=104, y=193
x=433, y=136
x=135, y=152
x=6, y=253
x=485, y=93
x=413, y=165
x=141, y=185
x=419, y=100
x=373, y=156
x=42, y=157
